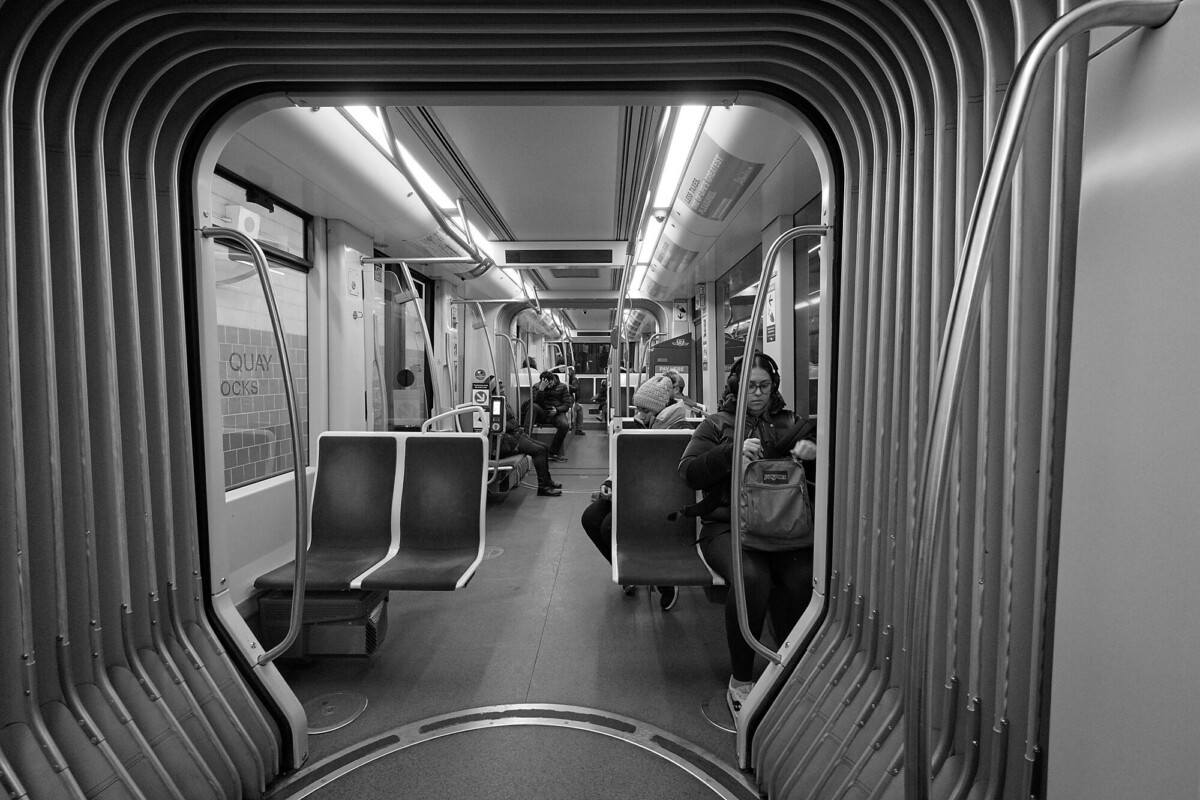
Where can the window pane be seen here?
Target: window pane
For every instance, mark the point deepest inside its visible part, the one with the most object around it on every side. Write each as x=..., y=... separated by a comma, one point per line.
x=272, y=227
x=256, y=434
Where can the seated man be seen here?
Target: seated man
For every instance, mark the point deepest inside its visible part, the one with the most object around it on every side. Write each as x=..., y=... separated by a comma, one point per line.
x=516, y=440
x=550, y=405
x=567, y=376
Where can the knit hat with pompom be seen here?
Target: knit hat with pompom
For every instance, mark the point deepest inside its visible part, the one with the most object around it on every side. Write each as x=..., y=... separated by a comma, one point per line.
x=654, y=394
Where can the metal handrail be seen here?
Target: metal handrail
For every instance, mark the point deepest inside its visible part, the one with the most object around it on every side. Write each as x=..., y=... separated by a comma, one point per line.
x=486, y=334
x=289, y=385
x=424, y=333
x=482, y=262
x=962, y=325
x=739, y=434
x=457, y=411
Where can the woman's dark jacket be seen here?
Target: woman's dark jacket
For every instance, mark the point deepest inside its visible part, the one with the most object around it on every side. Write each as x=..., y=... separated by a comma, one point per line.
x=707, y=461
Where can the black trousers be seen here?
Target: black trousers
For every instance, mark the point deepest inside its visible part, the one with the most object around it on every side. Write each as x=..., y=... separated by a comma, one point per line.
x=776, y=583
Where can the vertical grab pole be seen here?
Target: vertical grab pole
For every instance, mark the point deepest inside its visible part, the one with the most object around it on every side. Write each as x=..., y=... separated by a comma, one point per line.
x=437, y=395
x=739, y=434
x=483, y=325
x=960, y=330
x=289, y=385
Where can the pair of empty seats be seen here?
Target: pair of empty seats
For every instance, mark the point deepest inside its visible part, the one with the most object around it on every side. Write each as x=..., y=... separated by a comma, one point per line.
x=648, y=548
x=393, y=511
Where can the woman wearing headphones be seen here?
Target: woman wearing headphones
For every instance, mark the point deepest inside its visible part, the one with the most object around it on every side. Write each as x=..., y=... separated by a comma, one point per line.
x=777, y=581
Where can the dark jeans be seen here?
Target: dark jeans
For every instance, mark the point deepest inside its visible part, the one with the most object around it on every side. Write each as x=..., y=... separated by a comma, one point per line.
x=542, y=417
x=535, y=449
x=776, y=583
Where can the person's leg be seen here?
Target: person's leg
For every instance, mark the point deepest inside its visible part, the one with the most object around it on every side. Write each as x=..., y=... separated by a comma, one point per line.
x=757, y=577
x=791, y=588
x=563, y=424
x=578, y=418
x=541, y=461
x=597, y=523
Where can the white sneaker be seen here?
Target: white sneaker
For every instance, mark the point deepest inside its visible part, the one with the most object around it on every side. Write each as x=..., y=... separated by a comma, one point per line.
x=736, y=696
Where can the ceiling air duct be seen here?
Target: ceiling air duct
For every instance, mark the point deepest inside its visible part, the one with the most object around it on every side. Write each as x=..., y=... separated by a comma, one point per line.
x=738, y=148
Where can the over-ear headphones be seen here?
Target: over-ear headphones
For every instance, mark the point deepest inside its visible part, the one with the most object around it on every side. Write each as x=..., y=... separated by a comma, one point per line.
x=756, y=360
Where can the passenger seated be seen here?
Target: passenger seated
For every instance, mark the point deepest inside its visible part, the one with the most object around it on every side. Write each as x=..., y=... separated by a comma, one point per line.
x=516, y=440
x=549, y=405
x=567, y=376
x=650, y=399
x=776, y=582
x=679, y=397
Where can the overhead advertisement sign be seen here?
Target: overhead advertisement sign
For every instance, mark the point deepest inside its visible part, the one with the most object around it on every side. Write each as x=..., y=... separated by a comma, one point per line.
x=713, y=194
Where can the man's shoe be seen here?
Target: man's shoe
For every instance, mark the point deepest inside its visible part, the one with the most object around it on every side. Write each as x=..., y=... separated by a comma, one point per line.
x=557, y=457
x=554, y=484
x=580, y=433
x=669, y=594
x=548, y=491
x=629, y=589
x=735, y=697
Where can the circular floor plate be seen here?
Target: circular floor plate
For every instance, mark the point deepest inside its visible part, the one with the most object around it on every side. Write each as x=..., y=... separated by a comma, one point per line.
x=716, y=711
x=332, y=711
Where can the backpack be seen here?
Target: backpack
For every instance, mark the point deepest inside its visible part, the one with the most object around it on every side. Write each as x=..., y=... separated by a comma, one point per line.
x=774, y=506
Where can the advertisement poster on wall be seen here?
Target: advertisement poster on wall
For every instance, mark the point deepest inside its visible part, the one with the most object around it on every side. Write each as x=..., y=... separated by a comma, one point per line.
x=770, y=315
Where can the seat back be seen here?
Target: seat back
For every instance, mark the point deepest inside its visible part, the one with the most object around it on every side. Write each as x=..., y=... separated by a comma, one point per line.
x=648, y=549
x=441, y=506
x=354, y=491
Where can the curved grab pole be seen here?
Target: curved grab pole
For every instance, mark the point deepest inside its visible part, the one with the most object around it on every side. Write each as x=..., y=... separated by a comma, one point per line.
x=963, y=323
x=289, y=385
x=437, y=394
x=739, y=434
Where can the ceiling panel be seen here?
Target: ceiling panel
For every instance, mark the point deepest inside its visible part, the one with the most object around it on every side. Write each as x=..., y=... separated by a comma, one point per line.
x=552, y=171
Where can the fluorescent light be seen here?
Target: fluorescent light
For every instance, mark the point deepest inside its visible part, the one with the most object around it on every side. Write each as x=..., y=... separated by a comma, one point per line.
x=814, y=249
x=373, y=125
x=806, y=303
x=370, y=122
x=687, y=125
x=639, y=277
x=650, y=233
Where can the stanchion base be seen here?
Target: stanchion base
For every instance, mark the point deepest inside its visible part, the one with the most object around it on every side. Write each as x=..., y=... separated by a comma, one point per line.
x=337, y=710
x=716, y=711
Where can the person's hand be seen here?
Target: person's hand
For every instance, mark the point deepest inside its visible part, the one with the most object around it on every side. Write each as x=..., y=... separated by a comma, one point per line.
x=804, y=450
x=605, y=491
x=752, y=449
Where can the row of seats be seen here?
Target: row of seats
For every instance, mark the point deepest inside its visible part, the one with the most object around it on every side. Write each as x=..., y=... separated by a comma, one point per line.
x=394, y=511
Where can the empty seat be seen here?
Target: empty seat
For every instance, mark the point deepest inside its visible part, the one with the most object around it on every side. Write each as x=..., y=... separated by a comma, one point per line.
x=648, y=548
x=351, y=517
x=441, y=515
x=393, y=511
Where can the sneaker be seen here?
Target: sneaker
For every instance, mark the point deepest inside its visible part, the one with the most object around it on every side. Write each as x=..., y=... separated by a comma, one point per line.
x=629, y=589
x=735, y=697
x=580, y=433
x=554, y=484
x=669, y=595
x=557, y=457
x=548, y=491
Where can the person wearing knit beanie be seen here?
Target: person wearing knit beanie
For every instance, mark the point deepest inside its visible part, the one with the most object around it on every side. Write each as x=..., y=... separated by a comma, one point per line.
x=654, y=394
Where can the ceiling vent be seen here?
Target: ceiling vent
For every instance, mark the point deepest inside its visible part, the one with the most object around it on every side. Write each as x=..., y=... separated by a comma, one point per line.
x=575, y=272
